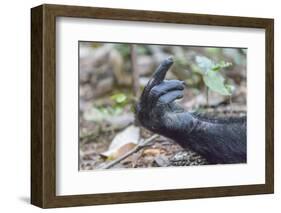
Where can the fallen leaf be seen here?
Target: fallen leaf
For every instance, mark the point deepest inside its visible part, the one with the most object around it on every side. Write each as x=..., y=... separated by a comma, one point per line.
x=130, y=135
x=122, y=150
x=152, y=152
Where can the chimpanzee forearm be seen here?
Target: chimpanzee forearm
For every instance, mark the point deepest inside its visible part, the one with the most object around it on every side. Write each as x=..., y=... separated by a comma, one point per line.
x=218, y=140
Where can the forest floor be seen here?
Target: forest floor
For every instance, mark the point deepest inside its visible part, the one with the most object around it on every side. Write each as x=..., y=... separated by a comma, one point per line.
x=161, y=152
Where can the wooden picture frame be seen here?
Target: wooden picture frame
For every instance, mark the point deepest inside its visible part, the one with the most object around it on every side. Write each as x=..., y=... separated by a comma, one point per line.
x=43, y=105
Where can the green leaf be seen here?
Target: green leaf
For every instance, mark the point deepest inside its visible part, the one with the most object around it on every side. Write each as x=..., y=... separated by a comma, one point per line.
x=204, y=64
x=219, y=66
x=216, y=68
x=215, y=82
x=119, y=98
x=211, y=77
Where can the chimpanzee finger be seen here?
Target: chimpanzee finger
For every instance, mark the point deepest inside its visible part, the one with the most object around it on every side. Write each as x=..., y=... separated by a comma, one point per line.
x=158, y=76
x=164, y=87
x=170, y=97
x=160, y=72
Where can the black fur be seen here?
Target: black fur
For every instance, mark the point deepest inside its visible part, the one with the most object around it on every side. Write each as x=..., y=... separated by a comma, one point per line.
x=220, y=141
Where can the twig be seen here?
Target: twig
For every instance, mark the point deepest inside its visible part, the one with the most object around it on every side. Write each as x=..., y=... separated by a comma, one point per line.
x=135, y=149
x=207, y=95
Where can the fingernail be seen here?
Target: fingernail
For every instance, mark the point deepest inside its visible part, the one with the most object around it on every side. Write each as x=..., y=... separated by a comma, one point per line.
x=170, y=58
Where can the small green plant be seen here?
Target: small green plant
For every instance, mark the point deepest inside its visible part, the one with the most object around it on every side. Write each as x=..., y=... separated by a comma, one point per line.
x=119, y=98
x=120, y=101
x=102, y=112
x=212, y=77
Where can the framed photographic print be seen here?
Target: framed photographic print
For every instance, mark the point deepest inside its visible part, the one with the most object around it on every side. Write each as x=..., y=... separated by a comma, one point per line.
x=136, y=106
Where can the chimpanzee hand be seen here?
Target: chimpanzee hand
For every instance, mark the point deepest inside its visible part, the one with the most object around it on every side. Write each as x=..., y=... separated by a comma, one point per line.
x=157, y=110
x=219, y=141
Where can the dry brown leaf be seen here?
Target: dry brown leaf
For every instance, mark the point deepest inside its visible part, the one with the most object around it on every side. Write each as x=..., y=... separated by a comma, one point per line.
x=129, y=135
x=152, y=152
x=122, y=150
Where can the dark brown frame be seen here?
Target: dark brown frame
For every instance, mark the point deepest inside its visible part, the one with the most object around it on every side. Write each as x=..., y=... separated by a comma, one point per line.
x=43, y=105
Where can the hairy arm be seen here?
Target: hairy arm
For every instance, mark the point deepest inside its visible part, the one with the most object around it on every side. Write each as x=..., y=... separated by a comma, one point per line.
x=218, y=140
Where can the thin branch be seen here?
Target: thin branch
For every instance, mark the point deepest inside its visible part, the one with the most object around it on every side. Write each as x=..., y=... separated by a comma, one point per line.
x=207, y=96
x=132, y=151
